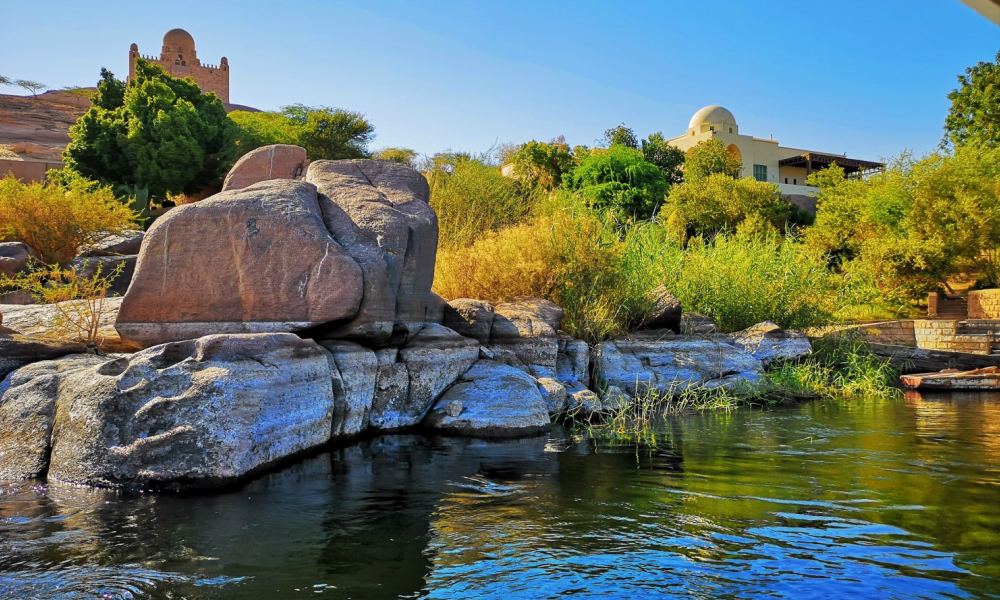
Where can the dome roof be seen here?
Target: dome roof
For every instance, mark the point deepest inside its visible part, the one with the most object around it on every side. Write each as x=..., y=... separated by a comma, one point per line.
x=178, y=37
x=711, y=115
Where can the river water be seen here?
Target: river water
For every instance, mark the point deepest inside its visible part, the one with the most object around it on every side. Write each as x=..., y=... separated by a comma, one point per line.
x=862, y=499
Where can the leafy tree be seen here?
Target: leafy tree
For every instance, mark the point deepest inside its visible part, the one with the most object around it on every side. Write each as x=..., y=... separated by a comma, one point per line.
x=620, y=135
x=709, y=157
x=718, y=202
x=543, y=163
x=404, y=156
x=619, y=179
x=974, y=116
x=32, y=86
x=5, y=80
x=325, y=133
x=668, y=158
x=156, y=132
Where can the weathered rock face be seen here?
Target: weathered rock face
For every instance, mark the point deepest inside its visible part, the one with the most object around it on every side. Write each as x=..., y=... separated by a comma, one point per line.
x=354, y=369
x=14, y=257
x=257, y=259
x=378, y=212
x=491, y=400
x=573, y=363
x=771, y=344
x=698, y=324
x=666, y=364
x=126, y=243
x=666, y=311
x=278, y=161
x=17, y=351
x=553, y=394
x=471, y=318
x=27, y=412
x=192, y=414
x=424, y=368
x=40, y=322
x=523, y=335
x=88, y=267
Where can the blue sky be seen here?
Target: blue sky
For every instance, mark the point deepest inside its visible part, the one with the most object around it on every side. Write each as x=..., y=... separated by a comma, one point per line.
x=868, y=78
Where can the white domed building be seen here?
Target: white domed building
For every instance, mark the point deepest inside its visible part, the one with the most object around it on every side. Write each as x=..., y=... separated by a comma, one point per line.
x=179, y=58
x=765, y=159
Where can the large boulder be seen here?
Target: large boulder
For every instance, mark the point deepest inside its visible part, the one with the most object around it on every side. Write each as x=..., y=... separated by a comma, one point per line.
x=14, y=257
x=471, y=318
x=64, y=324
x=27, y=411
x=18, y=350
x=277, y=161
x=662, y=363
x=378, y=212
x=573, y=363
x=524, y=335
x=665, y=312
x=354, y=369
x=258, y=259
x=108, y=267
x=771, y=344
x=491, y=400
x=431, y=361
x=126, y=243
x=197, y=413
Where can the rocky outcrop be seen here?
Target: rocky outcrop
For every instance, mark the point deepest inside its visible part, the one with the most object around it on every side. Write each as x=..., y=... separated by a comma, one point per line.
x=269, y=264
x=523, y=335
x=191, y=414
x=471, y=318
x=771, y=344
x=491, y=400
x=659, y=362
x=573, y=363
x=354, y=369
x=665, y=312
x=17, y=351
x=27, y=412
x=108, y=267
x=431, y=361
x=379, y=214
x=278, y=161
x=553, y=394
x=127, y=243
x=693, y=323
x=14, y=258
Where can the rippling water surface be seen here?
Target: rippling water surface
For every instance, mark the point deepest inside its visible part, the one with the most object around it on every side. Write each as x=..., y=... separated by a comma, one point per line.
x=826, y=500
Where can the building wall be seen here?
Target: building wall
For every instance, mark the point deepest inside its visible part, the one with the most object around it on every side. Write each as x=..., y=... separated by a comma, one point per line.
x=753, y=151
x=210, y=78
x=27, y=170
x=984, y=304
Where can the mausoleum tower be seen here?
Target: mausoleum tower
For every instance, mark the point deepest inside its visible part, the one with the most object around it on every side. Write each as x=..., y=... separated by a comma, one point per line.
x=179, y=57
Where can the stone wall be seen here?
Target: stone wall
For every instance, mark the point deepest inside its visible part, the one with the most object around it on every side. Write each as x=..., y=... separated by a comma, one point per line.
x=984, y=304
x=945, y=335
x=896, y=333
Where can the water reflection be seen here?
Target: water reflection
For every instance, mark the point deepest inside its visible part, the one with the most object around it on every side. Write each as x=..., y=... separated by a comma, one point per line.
x=862, y=499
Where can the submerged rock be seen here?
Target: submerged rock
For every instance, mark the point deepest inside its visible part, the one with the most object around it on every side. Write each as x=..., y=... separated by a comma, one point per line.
x=197, y=413
x=491, y=400
x=658, y=361
x=770, y=344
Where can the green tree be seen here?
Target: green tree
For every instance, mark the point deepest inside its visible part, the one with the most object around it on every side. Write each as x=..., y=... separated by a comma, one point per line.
x=32, y=86
x=543, y=163
x=717, y=203
x=620, y=135
x=404, y=156
x=325, y=133
x=974, y=116
x=709, y=157
x=156, y=132
x=621, y=180
x=669, y=159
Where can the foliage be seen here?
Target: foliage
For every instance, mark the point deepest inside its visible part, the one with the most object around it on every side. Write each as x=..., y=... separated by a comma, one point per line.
x=5, y=80
x=669, y=159
x=80, y=299
x=32, y=86
x=619, y=179
x=905, y=232
x=543, y=163
x=710, y=157
x=974, y=116
x=472, y=198
x=719, y=203
x=59, y=217
x=620, y=135
x=156, y=131
x=403, y=156
x=325, y=132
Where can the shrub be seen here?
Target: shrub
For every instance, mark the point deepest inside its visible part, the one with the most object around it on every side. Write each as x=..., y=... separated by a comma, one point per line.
x=718, y=202
x=325, y=132
x=711, y=157
x=619, y=179
x=56, y=219
x=472, y=198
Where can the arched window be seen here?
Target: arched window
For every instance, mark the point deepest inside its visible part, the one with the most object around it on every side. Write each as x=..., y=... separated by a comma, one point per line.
x=730, y=130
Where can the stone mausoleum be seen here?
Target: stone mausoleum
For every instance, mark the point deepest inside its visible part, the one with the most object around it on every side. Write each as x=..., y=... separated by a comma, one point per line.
x=179, y=57
x=766, y=159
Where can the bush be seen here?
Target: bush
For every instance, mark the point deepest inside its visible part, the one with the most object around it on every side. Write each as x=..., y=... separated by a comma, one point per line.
x=472, y=198
x=56, y=219
x=718, y=202
x=325, y=132
x=619, y=179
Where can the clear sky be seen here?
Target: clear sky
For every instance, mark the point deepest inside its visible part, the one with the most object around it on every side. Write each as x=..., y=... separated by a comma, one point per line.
x=868, y=78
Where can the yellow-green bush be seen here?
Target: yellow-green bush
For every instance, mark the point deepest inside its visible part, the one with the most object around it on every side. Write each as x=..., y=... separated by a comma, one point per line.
x=56, y=219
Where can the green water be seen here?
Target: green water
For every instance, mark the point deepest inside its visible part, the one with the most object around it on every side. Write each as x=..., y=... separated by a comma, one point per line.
x=864, y=499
